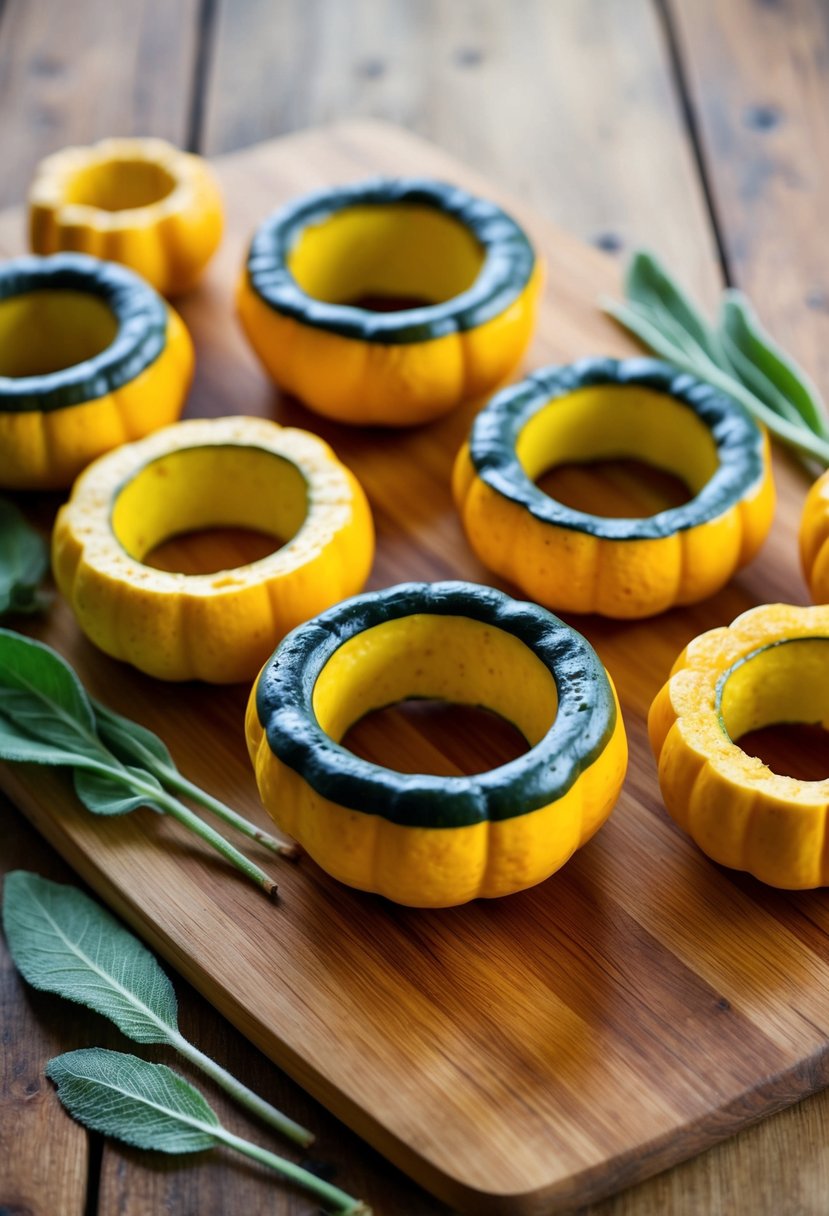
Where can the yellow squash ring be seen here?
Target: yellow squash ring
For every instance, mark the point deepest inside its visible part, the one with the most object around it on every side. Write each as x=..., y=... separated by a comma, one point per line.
x=90, y=356
x=814, y=540
x=771, y=665
x=424, y=840
x=239, y=472
x=466, y=269
x=141, y=202
x=601, y=409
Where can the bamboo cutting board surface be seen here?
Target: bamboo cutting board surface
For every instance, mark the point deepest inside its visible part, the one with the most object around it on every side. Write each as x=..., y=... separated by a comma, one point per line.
x=519, y=1056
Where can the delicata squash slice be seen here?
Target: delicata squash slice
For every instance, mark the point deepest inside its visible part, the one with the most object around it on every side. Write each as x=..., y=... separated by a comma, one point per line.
x=90, y=357
x=142, y=202
x=600, y=409
x=206, y=473
x=389, y=301
x=418, y=839
x=770, y=665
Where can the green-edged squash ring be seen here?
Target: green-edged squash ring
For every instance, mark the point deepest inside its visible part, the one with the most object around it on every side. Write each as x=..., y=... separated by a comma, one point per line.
x=608, y=408
x=506, y=828
x=425, y=238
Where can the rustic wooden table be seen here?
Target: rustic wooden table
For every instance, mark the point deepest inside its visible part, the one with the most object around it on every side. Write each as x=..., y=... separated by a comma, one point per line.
x=696, y=127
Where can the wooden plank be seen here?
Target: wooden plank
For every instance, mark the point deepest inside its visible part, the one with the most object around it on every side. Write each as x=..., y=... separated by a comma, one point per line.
x=569, y=104
x=569, y=1035
x=74, y=73
x=43, y=1153
x=760, y=89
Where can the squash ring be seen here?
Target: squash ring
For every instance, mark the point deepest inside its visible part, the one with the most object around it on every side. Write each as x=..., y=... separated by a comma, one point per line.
x=407, y=237
x=243, y=472
x=90, y=356
x=770, y=665
x=814, y=540
x=424, y=840
x=599, y=409
x=141, y=202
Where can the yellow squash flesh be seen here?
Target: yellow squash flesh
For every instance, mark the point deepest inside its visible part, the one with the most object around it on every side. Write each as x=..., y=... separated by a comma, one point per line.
x=770, y=665
x=141, y=202
x=238, y=472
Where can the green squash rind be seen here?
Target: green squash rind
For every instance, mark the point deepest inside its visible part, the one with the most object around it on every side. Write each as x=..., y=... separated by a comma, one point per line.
x=508, y=265
x=140, y=313
x=738, y=439
x=582, y=728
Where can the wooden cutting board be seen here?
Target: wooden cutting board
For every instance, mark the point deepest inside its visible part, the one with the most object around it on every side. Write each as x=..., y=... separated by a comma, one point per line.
x=521, y=1056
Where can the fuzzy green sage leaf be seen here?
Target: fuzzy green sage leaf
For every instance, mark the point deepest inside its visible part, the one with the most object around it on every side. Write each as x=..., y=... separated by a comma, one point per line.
x=62, y=941
x=24, y=560
x=153, y=1107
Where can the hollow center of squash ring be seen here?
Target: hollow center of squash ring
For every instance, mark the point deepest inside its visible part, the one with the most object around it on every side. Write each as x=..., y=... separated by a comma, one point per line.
x=120, y=185
x=46, y=331
x=775, y=704
x=215, y=486
x=450, y=659
x=604, y=423
x=386, y=252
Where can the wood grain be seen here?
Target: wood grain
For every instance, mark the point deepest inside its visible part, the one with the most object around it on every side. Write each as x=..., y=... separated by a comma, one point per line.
x=559, y=1044
x=759, y=85
x=79, y=72
x=43, y=1153
x=571, y=103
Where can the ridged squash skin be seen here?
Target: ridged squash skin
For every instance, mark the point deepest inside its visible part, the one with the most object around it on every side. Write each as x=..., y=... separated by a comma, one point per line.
x=237, y=472
x=770, y=665
x=471, y=271
x=90, y=357
x=814, y=540
x=599, y=409
x=422, y=840
x=141, y=202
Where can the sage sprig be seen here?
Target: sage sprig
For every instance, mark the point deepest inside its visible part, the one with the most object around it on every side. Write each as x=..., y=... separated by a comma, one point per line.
x=62, y=941
x=47, y=718
x=24, y=560
x=736, y=355
x=153, y=1107
x=135, y=744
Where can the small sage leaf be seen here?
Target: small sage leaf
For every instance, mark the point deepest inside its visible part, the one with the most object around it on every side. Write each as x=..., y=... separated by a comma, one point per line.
x=114, y=792
x=24, y=560
x=148, y=1105
x=41, y=694
x=17, y=747
x=64, y=942
x=648, y=283
x=767, y=369
x=152, y=1107
x=130, y=741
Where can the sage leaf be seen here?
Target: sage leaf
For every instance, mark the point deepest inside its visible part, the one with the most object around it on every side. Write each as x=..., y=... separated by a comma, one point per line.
x=648, y=284
x=62, y=941
x=765, y=367
x=153, y=1107
x=130, y=741
x=17, y=747
x=112, y=793
x=148, y=1105
x=24, y=560
x=133, y=743
x=41, y=694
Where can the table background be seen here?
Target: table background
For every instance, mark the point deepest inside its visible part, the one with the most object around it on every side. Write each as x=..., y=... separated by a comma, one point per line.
x=697, y=127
